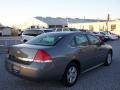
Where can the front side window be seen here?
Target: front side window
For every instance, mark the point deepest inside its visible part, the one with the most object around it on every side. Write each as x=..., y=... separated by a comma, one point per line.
x=81, y=40
x=93, y=40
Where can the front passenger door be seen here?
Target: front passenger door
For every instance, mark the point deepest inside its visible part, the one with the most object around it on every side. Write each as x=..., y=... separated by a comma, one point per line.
x=98, y=51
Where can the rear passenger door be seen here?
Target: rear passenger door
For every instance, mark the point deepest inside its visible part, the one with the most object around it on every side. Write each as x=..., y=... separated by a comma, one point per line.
x=85, y=53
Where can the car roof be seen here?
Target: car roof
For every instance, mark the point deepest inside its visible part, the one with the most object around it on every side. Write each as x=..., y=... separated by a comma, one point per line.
x=69, y=32
x=38, y=29
x=47, y=29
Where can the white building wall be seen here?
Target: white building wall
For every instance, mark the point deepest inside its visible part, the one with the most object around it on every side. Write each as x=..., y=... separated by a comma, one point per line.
x=97, y=26
x=117, y=30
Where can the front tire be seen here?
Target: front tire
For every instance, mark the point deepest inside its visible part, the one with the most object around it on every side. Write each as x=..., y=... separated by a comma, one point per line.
x=71, y=75
x=108, y=59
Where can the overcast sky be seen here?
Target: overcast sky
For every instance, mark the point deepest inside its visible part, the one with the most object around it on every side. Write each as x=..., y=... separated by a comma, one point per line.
x=17, y=11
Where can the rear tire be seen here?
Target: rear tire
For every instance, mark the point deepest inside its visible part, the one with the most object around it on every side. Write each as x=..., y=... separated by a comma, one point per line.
x=71, y=75
x=108, y=59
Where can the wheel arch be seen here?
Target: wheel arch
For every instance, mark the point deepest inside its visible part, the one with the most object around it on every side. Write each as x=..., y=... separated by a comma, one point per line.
x=77, y=63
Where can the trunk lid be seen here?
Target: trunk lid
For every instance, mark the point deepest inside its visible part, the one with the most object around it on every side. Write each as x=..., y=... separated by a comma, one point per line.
x=24, y=53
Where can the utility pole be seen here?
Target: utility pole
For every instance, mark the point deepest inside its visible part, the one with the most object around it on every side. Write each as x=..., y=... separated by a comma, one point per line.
x=67, y=21
x=107, y=22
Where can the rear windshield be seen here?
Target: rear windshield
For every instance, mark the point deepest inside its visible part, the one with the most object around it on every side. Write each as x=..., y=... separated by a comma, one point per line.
x=32, y=32
x=46, y=39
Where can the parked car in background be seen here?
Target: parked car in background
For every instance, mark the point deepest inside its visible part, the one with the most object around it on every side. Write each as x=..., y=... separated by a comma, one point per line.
x=113, y=34
x=58, y=55
x=31, y=33
x=101, y=36
x=110, y=36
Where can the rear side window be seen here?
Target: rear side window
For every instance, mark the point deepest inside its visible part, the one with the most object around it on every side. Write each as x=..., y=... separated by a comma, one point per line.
x=81, y=40
x=93, y=40
x=45, y=40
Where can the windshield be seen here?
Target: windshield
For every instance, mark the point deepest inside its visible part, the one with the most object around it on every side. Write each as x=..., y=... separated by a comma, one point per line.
x=46, y=39
x=32, y=32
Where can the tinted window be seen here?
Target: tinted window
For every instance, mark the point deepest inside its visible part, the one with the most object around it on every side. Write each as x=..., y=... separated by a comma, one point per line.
x=46, y=39
x=93, y=40
x=72, y=29
x=73, y=42
x=81, y=40
x=66, y=29
x=95, y=32
x=59, y=30
x=46, y=31
x=103, y=33
x=32, y=32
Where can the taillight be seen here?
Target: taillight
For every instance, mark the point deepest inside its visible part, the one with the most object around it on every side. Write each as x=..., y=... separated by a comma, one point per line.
x=42, y=56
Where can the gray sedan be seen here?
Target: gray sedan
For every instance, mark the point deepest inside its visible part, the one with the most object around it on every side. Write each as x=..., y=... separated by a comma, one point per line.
x=58, y=55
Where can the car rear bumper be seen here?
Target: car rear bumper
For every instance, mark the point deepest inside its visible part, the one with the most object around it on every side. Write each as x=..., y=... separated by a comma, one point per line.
x=34, y=71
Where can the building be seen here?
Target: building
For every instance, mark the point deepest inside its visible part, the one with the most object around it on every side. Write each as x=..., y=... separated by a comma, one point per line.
x=113, y=26
x=5, y=31
x=50, y=22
